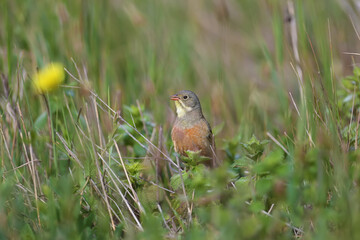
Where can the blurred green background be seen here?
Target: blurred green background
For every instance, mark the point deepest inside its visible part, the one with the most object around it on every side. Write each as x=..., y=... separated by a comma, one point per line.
x=236, y=55
x=283, y=71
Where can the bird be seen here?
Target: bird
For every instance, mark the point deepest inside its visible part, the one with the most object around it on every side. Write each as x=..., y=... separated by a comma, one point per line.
x=191, y=131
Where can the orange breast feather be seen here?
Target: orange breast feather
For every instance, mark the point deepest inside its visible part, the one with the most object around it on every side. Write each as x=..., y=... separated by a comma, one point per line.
x=194, y=139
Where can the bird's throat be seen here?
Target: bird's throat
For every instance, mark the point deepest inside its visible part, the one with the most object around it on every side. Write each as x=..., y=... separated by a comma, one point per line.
x=181, y=109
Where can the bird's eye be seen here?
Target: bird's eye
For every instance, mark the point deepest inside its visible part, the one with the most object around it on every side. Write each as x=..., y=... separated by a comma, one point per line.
x=185, y=97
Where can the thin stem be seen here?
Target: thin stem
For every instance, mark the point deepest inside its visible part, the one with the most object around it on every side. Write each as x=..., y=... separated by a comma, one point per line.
x=50, y=129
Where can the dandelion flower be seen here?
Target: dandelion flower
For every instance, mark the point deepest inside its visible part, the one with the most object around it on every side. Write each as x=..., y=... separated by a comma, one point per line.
x=49, y=78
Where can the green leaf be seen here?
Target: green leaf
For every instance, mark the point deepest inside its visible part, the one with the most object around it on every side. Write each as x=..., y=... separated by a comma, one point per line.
x=243, y=187
x=356, y=72
x=254, y=147
x=242, y=162
x=194, y=158
x=134, y=168
x=218, y=128
x=350, y=82
x=263, y=186
x=139, y=150
x=27, y=232
x=257, y=206
x=41, y=120
x=269, y=163
x=175, y=181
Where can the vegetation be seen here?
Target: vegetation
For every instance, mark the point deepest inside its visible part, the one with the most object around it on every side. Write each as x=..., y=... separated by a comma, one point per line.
x=93, y=159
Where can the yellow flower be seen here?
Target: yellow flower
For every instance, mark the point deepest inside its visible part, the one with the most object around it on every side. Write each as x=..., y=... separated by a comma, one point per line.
x=49, y=78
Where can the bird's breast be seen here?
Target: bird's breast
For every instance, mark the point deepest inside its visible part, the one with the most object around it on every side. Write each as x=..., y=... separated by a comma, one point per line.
x=192, y=138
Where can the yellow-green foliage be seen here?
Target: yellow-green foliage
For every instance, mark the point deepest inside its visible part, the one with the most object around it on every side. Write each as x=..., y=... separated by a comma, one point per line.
x=278, y=81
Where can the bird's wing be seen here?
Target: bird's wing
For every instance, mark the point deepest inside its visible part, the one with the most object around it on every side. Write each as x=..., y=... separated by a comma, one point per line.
x=211, y=140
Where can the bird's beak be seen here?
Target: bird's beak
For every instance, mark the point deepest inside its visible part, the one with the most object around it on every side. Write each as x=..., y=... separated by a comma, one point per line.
x=174, y=98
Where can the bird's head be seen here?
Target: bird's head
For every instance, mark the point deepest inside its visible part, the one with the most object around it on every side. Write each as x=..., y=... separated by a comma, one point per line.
x=186, y=101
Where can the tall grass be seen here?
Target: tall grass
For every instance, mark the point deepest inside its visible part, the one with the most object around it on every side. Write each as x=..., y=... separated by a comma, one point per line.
x=277, y=80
